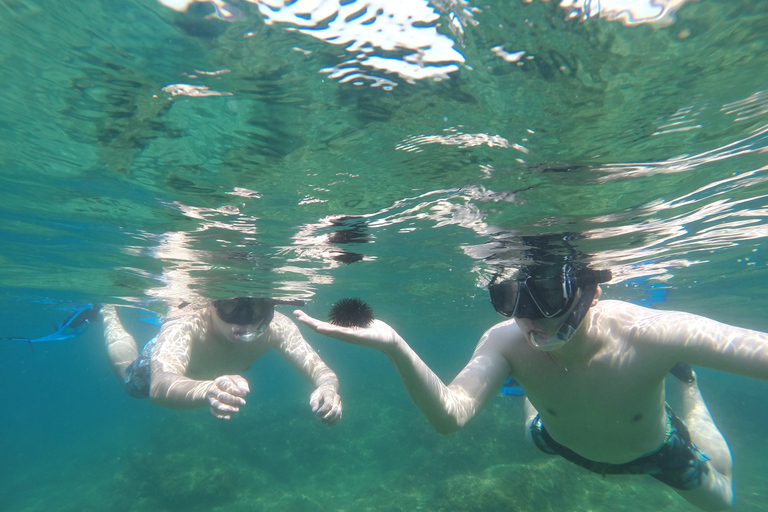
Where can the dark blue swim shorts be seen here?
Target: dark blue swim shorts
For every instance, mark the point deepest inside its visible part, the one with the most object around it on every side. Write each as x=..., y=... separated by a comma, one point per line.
x=137, y=375
x=677, y=463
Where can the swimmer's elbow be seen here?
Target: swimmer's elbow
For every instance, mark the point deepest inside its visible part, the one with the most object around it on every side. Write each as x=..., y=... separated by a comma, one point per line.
x=449, y=413
x=160, y=397
x=459, y=410
x=448, y=425
x=159, y=393
x=156, y=395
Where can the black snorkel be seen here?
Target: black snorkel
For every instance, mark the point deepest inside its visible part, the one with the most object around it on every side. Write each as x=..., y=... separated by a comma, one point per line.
x=586, y=282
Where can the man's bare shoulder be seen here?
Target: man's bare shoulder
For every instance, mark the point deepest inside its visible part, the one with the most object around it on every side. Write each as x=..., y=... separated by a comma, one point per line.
x=623, y=306
x=503, y=337
x=620, y=313
x=506, y=327
x=284, y=330
x=282, y=319
x=640, y=325
x=188, y=323
x=627, y=314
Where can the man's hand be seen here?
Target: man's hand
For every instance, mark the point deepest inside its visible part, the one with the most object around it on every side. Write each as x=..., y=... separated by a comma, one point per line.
x=327, y=404
x=226, y=395
x=378, y=335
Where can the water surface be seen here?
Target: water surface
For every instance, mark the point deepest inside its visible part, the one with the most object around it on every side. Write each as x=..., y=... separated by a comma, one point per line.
x=151, y=156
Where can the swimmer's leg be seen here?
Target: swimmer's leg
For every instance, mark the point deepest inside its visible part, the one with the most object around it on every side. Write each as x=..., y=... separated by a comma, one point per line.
x=121, y=347
x=716, y=491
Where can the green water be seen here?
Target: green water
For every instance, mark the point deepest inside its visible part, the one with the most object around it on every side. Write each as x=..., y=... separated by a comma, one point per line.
x=648, y=141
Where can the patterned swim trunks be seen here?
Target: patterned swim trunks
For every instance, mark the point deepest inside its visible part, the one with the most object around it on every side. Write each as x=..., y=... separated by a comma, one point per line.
x=677, y=463
x=137, y=375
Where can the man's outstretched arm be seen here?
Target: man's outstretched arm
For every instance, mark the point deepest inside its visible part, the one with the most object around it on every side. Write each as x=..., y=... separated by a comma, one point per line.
x=704, y=342
x=447, y=408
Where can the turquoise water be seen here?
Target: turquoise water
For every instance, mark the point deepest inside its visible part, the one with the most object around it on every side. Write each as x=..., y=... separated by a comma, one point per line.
x=313, y=159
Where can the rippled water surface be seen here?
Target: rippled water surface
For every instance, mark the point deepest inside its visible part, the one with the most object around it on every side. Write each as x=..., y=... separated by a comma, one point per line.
x=153, y=153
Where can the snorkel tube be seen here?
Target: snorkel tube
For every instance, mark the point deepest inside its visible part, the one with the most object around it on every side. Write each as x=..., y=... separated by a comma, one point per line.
x=588, y=291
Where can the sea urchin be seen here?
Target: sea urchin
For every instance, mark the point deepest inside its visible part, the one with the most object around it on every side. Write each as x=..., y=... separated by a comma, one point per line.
x=351, y=313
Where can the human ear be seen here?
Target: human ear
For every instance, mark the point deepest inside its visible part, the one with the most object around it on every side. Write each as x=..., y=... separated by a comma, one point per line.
x=598, y=293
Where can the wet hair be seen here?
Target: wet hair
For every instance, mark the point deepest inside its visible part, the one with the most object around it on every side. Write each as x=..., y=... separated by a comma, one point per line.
x=542, y=256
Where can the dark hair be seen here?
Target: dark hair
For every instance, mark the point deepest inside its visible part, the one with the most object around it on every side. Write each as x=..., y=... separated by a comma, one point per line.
x=542, y=256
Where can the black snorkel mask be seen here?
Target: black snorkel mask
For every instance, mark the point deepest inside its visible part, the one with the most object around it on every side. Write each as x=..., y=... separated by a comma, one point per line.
x=246, y=311
x=250, y=311
x=534, y=298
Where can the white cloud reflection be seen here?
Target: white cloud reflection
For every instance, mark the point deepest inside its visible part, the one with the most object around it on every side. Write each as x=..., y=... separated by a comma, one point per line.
x=371, y=29
x=628, y=12
x=390, y=36
x=457, y=138
x=401, y=37
x=194, y=91
x=755, y=105
x=756, y=142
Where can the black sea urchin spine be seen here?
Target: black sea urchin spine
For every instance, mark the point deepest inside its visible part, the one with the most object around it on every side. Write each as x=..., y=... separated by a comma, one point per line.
x=351, y=313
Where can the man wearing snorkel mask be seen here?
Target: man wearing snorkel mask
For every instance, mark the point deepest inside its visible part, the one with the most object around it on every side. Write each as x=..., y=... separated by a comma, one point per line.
x=198, y=355
x=593, y=373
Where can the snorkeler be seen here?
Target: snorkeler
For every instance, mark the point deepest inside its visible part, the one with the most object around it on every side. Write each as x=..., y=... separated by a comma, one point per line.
x=593, y=374
x=195, y=359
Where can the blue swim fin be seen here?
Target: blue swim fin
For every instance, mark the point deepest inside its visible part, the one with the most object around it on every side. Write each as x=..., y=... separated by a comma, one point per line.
x=74, y=325
x=512, y=387
x=646, y=294
x=152, y=319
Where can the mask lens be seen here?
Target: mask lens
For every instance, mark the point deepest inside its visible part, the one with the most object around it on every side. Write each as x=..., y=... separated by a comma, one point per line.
x=526, y=306
x=549, y=295
x=532, y=297
x=226, y=308
x=504, y=297
x=245, y=311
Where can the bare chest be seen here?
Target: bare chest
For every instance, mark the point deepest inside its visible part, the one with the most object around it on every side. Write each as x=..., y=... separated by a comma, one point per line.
x=210, y=360
x=603, y=410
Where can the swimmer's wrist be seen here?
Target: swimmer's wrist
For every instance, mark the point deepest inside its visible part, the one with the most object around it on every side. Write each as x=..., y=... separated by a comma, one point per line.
x=183, y=393
x=326, y=379
x=329, y=382
x=328, y=387
x=203, y=393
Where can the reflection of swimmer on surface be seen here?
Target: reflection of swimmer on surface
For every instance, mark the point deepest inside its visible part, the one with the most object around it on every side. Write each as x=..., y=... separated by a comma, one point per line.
x=593, y=374
x=195, y=359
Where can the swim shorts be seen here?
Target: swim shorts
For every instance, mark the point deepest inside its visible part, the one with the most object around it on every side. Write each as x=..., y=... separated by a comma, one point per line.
x=677, y=463
x=137, y=375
